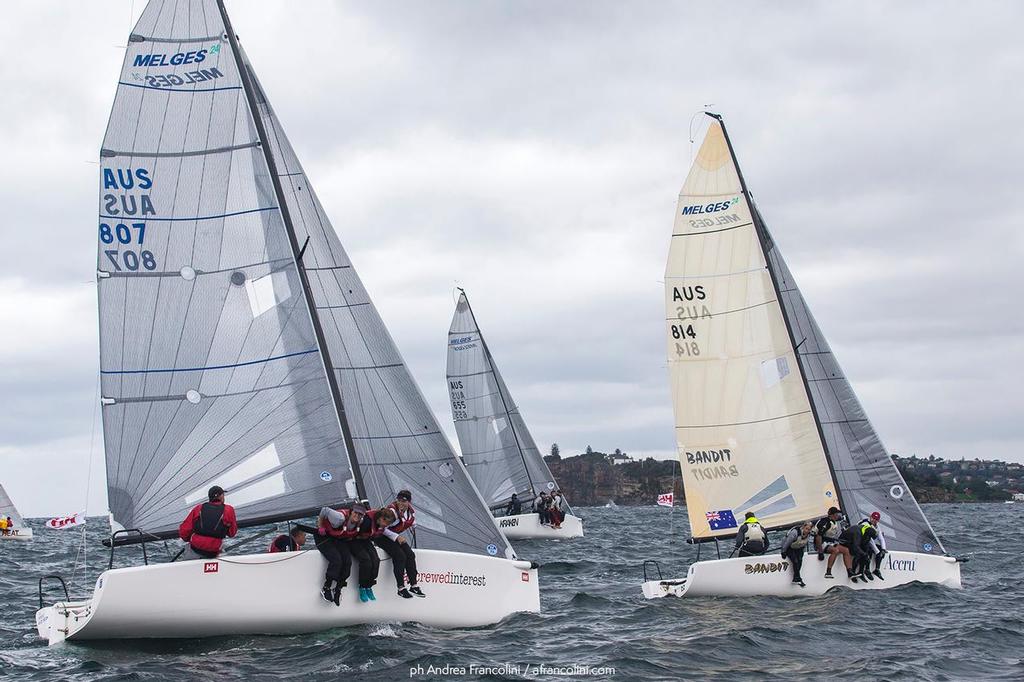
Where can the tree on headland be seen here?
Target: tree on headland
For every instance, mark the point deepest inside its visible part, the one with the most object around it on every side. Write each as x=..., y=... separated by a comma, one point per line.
x=554, y=450
x=590, y=450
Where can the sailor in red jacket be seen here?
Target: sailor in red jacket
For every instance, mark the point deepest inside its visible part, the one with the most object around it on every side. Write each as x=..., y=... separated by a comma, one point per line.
x=292, y=542
x=391, y=540
x=206, y=526
x=335, y=532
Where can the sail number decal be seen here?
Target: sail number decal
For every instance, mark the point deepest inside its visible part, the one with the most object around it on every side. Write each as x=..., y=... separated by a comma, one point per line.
x=689, y=309
x=125, y=234
x=455, y=388
x=126, y=194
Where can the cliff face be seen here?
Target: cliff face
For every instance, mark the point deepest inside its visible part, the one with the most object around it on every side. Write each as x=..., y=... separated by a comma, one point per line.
x=592, y=480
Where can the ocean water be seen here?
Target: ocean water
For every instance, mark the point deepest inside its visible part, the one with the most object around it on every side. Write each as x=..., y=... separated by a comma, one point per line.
x=594, y=622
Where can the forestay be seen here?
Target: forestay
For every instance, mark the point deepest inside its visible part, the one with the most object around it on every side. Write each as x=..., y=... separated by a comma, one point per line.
x=745, y=430
x=7, y=508
x=211, y=367
x=497, y=447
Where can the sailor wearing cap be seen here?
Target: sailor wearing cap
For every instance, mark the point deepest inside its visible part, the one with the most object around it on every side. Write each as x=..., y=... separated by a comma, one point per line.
x=206, y=526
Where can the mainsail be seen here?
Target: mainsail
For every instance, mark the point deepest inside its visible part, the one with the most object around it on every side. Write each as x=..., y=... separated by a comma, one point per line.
x=7, y=508
x=497, y=448
x=765, y=420
x=225, y=296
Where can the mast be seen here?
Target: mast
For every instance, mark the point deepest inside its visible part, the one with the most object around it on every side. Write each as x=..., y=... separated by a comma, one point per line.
x=762, y=237
x=261, y=131
x=508, y=415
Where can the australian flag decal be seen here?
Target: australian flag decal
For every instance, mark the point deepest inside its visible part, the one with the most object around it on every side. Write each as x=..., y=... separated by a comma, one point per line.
x=720, y=520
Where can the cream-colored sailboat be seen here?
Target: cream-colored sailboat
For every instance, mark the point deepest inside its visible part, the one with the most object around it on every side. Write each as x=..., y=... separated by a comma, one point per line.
x=765, y=419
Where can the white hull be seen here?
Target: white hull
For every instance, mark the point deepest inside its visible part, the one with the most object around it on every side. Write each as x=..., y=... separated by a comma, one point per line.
x=279, y=594
x=17, y=534
x=772, y=575
x=525, y=526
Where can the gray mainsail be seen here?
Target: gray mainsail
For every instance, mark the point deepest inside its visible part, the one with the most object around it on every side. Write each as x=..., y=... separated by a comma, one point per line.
x=212, y=359
x=397, y=441
x=867, y=478
x=7, y=508
x=497, y=447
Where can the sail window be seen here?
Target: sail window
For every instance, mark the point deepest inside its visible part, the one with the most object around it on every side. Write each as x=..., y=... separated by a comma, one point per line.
x=266, y=292
x=259, y=464
x=773, y=371
x=271, y=486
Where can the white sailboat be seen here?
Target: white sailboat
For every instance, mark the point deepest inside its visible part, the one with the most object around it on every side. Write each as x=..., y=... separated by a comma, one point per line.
x=766, y=421
x=238, y=347
x=497, y=448
x=18, y=529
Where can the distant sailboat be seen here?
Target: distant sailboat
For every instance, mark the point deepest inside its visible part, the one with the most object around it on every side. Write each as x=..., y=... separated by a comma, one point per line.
x=238, y=347
x=766, y=421
x=18, y=529
x=497, y=448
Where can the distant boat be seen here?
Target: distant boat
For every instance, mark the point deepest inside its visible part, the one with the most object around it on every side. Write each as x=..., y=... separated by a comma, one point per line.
x=497, y=448
x=18, y=530
x=239, y=347
x=611, y=505
x=766, y=421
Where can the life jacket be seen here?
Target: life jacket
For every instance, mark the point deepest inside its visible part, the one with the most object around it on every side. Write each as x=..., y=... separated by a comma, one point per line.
x=403, y=521
x=800, y=541
x=343, y=532
x=755, y=532
x=210, y=521
x=291, y=544
x=832, y=530
x=368, y=526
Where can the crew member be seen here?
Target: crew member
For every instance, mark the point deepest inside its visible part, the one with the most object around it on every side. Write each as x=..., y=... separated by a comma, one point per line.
x=869, y=544
x=751, y=540
x=849, y=549
x=291, y=542
x=877, y=545
x=364, y=551
x=335, y=530
x=795, y=546
x=540, y=505
x=3, y=526
x=826, y=532
x=206, y=526
x=556, y=510
x=394, y=543
x=514, y=506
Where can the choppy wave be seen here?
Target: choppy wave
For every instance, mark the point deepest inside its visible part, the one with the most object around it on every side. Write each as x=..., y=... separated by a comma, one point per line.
x=592, y=615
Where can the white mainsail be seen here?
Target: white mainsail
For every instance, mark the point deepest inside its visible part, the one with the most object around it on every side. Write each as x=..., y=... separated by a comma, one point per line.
x=766, y=421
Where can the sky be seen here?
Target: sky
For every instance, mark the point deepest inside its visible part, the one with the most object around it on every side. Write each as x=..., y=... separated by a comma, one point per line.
x=532, y=152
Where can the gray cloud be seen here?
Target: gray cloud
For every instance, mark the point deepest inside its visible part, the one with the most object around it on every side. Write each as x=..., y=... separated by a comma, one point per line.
x=533, y=152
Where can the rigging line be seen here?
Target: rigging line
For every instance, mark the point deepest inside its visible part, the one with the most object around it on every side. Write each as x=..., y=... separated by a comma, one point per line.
x=501, y=394
x=210, y=367
x=248, y=79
